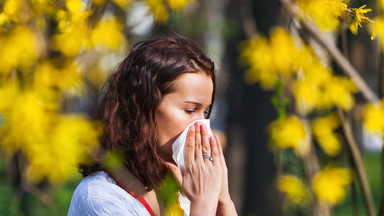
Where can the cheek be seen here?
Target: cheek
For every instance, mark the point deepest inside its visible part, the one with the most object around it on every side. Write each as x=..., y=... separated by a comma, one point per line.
x=170, y=126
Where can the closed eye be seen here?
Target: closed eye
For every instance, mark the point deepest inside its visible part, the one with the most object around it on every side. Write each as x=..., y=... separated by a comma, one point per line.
x=189, y=111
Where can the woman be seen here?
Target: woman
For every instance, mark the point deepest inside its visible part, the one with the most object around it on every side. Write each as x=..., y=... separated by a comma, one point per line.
x=160, y=88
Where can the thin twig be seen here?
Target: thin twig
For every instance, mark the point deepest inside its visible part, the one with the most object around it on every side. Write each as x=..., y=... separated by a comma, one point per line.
x=366, y=19
x=311, y=167
x=381, y=94
x=361, y=173
x=343, y=27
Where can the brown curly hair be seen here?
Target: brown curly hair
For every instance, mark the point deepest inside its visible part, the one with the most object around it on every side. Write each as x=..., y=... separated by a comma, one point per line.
x=132, y=94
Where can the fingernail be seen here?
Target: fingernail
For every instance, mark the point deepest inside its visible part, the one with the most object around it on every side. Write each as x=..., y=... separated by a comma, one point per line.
x=211, y=139
x=192, y=128
x=203, y=127
x=197, y=125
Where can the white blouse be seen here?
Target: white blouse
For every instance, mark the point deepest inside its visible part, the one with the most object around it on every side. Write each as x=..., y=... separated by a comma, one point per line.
x=98, y=194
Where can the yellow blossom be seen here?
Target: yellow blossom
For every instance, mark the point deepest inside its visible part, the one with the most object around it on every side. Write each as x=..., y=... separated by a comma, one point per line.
x=26, y=122
x=339, y=93
x=293, y=188
x=358, y=18
x=290, y=133
x=177, y=4
x=74, y=37
x=256, y=52
x=17, y=11
x=324, y=13
x=4, y=19
x=311, y=78
x=48, y=75
x=268, y=59
x=20, y=49
x=71, y=142
x=284, y=52
x=374, y=117
x=377, y=27
x=53, y=144
x=317, y=88
x=329, y=184
x=159, y=10
x=322, y=129
x=8, y=92
x=123, y=3
x=381, y=3
x=113, y=39
x=74, y=6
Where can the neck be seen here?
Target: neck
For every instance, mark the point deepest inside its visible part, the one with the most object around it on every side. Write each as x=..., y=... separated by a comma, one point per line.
x=128, y=181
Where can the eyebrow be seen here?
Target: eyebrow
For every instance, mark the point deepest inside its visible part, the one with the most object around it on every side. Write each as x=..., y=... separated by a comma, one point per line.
x=196, y=103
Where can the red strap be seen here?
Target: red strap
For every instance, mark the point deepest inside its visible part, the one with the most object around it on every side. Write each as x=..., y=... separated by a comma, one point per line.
x=141, y=200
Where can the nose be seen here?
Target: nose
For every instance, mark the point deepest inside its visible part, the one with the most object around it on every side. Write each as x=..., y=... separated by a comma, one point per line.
x=199, y=116
x=202, y=115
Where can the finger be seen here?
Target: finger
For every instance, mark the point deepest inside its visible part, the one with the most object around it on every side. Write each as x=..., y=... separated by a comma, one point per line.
x=198, y=151
x=175, y=171
x=220, y=148
x=215, y=152
x=205, y=140
x=190, y=147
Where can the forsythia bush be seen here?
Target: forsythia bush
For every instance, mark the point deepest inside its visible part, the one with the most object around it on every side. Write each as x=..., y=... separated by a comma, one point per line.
x=292, y=63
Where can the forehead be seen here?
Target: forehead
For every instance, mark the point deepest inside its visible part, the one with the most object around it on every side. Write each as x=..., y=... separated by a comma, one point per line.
x=197, y=86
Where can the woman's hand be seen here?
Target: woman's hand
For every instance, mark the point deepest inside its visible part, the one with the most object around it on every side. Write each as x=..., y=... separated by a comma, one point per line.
x=225, y=205
x=200, y=182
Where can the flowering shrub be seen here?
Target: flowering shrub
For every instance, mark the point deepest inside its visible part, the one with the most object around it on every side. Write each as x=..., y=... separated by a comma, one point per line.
x=294, y=67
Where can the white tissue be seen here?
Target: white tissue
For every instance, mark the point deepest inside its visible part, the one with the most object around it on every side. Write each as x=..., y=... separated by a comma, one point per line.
x=178, y=147
x=178, y=155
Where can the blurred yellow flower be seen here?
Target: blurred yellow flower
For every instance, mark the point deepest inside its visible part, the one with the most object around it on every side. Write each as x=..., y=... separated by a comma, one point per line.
x=290, y=133
x=317, y=88
x=339, y=92
x=381, y=4
x=17, y=11
x=74, y=35
x=324, y=13
x=177, y=4
x=123, y=3
x=294, y=189
x=374, y=117
x=51, y=79
x=8, y=92
x=377, y=27
x=284, y=51
x=159, y=10
x=72, y=141
x=53, y=143
x=113, y=39
x=20, y=49
x=329, y=184
x=322, y=129
x=309, y=85
x=74, y=6
x=257, y=53
x=358, y=18
x=4, y=19
x=26, y=122
x=162, y=8
x=267, y=59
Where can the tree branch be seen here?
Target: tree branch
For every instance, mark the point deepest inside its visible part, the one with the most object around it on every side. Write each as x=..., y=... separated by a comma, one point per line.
x=361, y=173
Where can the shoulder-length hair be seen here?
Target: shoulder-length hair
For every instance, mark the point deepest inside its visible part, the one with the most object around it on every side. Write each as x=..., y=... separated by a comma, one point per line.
x=132, y=94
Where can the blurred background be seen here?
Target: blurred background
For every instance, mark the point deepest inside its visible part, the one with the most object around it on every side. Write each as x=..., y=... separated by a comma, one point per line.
x=56, y=55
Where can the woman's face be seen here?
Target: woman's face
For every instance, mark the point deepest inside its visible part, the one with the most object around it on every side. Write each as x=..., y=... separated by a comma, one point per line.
x=190, y=100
